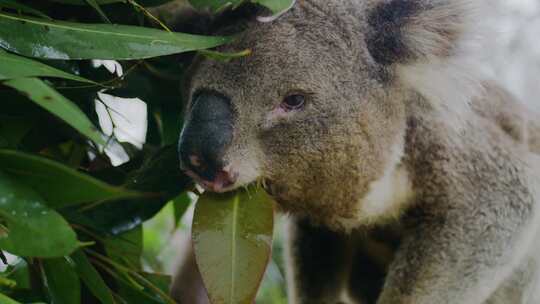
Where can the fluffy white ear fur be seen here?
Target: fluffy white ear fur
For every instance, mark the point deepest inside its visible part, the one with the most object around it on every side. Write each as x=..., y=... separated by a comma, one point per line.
x=445, y=41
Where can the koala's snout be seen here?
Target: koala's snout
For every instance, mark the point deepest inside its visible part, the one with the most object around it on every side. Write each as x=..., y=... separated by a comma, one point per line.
x=207, y=134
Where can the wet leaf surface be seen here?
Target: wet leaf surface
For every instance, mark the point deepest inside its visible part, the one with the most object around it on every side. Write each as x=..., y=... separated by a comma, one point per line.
x=48, y=98
x=41, y=38
x=58, y=184
x=33, y=228
x=13, y=66
x=232, y=237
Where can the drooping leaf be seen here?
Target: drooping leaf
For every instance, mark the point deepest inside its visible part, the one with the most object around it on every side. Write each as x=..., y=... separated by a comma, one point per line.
x=33, y=229
x=16, y=5
x=58, y=184
x=14, y=66
x=48, y=98
x=91, y=278
x=66, y=40
x=232, y=236
x=61, y=281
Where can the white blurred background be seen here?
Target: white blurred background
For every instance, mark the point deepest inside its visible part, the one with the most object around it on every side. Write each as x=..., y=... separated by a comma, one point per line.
x=513, y=52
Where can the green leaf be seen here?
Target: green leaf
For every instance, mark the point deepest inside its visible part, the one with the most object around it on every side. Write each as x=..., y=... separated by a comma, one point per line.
x=20, y=273
x=91, y=278
x=48, y=98
x=126, y=249
x=276, y=6
x=102, y=2
x=58, y=184
x=225, y=57
x=95, y=5
x=66, y=40
x=13, y=66
x=33, y=229
x=13, y=4
x=214, y=5
x=6, y=300
x=180, y=204
x=61, y=281
x=156, y=289
x=83, y=2
x=232, y=237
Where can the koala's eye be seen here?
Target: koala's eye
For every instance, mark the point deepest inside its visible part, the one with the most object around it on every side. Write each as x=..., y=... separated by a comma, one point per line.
x=293, y=102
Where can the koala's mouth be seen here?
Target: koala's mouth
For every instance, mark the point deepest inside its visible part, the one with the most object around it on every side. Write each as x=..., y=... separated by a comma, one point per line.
x=222, y=181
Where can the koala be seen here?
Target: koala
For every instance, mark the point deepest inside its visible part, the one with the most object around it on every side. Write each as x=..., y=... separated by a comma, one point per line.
x=407, y=175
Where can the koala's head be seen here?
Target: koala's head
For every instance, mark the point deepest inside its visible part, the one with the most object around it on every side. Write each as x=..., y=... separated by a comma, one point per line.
x=318, y=111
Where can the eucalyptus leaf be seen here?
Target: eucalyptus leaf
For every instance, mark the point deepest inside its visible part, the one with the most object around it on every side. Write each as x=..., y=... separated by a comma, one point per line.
x=102, y=2
x=67, y=40
x=33, y=229
x=95, y=5
x=276, y=6
x=16, y=5
x=61, y=281
x=214, y=5
x=91, y=278
x=14, y=66
x=7, y=300
x=60, y=185
x=232, y=237
x=48, y=98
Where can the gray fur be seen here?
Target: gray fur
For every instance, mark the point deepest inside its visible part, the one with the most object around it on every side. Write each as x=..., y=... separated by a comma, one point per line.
x=392, y=102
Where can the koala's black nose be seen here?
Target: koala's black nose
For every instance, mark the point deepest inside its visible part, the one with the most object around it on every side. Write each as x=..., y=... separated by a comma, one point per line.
x=207, y=133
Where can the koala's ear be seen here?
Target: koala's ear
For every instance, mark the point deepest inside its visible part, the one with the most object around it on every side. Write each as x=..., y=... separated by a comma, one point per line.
x=407, y=31
x=432, y=47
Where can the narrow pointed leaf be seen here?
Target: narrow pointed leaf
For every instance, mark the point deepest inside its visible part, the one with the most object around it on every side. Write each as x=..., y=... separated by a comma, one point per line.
x=61, y=281
x=91, y=278
x=14, y=4
x=7, y=300
x=214, y=5
x=95, y=6
x=13, y=66
x=33, y=229
x=232, y=236
x=60, y=185
x=48, y=98
x=66, y=40
x=102, y=2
